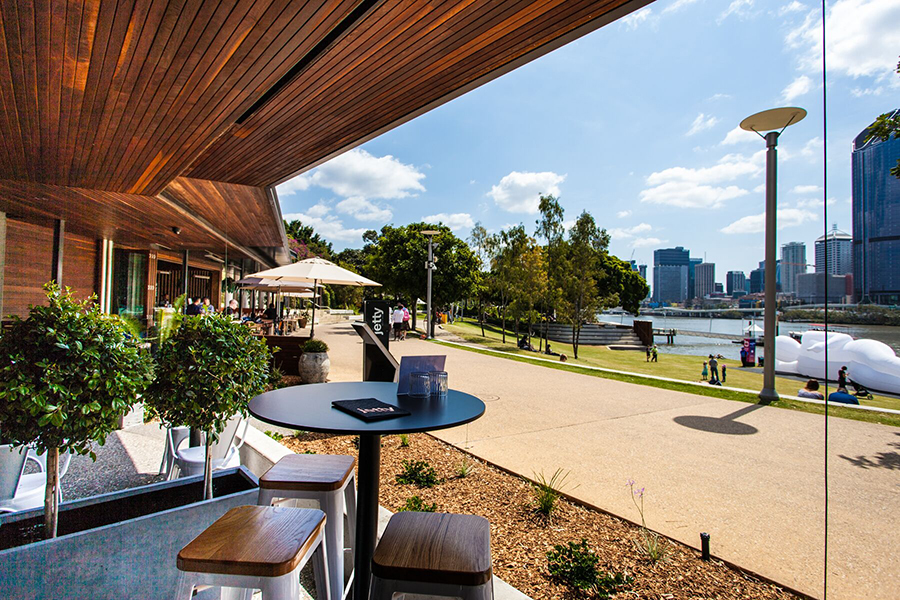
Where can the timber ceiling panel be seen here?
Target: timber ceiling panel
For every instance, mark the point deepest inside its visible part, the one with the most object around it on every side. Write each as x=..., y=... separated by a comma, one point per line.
x=241, y=212
x=127, y=219
x=405, y=57
x=121, y=95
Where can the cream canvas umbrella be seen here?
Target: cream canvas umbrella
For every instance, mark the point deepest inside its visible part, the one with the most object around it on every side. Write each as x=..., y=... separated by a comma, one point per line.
x=280, y=288
x=316, y=271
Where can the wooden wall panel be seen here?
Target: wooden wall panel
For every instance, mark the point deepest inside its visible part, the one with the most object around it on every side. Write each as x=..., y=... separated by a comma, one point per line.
x=29, y=253
x=80, y=265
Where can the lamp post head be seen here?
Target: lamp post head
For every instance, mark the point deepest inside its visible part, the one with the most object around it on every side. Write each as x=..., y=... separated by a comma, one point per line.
x=429, y=232
x=773, y=119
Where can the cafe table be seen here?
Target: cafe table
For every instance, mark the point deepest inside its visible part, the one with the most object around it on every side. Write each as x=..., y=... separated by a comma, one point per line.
x=308, y=407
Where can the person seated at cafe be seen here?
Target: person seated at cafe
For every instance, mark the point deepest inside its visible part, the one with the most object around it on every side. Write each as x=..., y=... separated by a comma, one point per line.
x=194, y=308
x=232, y=309
x=271, y=314
x=207, y=308
x=811, y=390
x=843, y=396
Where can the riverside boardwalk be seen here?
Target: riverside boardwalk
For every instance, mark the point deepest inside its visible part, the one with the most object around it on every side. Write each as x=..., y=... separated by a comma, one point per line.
x=750, y=476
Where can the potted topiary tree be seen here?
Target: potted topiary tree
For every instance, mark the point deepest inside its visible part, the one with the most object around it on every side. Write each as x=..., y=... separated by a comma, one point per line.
x=314, y=364
x=207, y=371
x=68, y=374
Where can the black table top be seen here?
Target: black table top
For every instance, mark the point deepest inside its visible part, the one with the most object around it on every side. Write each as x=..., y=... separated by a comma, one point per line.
x=308, y=407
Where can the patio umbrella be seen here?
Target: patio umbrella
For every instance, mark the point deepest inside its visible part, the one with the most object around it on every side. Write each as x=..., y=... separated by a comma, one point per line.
x=315, y=270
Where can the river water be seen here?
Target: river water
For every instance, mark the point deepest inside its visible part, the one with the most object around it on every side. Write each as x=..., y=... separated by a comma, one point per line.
x=692, y=343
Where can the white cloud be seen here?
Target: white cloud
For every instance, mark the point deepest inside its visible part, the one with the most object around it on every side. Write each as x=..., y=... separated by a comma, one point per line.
x=862, y=39
x=814, y=203
x=647, y=242
x=325, y=224
x=697, y=188
x=740, y=136
x=297, y=184
x=619, y=233
x=787, y=217
x=455, y=221
x=363, y=210
x=806, y=189
x=812, y=148
x=738, y=8
x=720, y=97
x=701, y=123
x=359, y=174
x=869, y=91
x=634, y=20
x=623, y=213
x=678, y=5
x=791, y=8
x=798, y=87
x=760, y=189
x=521, y=192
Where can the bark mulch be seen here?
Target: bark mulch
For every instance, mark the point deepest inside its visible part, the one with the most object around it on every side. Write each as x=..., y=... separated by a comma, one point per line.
x=520, y=538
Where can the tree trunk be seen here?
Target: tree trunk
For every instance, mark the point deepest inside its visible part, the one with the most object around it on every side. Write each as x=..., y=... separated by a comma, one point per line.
x=415, y=312
x=481, y=315
x=575, y=339
x=503, y=322
x=51, y=493
x=517, y=330
x=207, y=470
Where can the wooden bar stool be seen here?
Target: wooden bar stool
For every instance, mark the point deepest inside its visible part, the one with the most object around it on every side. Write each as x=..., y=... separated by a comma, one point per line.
x=256, y=547
x=327, y=479
x=435, y=554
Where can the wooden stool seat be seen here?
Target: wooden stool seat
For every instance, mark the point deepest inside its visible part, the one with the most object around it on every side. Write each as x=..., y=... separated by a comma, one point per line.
x=436, y=548
x=309, y=472
x=256, y=541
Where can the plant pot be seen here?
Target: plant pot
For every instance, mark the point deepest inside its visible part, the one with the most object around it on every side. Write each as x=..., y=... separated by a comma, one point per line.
x=303, y=322
x=117, y=545
x=314, y=367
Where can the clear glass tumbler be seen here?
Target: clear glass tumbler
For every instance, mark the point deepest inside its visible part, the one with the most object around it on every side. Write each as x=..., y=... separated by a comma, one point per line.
x=438, y=384
x=419, y=385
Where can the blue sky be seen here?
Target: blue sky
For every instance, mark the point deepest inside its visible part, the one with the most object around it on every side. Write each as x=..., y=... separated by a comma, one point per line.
x=637, y=123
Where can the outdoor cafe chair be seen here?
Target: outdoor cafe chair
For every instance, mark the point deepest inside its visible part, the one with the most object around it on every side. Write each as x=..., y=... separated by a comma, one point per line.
x=257, y=548
x=21, y=491
x=174, y=438
x=223, y=452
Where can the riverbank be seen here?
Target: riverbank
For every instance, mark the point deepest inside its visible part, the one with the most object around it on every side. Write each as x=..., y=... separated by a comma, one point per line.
x=682, y=367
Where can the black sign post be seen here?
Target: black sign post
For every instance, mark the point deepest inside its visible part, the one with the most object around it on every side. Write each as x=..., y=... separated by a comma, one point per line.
x=377, y=315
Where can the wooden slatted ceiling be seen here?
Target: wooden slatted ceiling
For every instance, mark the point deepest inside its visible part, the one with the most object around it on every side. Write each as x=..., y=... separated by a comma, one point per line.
x=120, y=95
x=405, y=57
x=130, y=220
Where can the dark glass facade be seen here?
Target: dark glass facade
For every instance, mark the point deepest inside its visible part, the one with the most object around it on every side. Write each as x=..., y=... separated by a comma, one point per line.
x=876, y=220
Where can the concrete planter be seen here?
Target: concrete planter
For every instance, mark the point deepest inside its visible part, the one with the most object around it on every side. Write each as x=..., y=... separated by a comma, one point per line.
x=314, y=367
x=128, y=552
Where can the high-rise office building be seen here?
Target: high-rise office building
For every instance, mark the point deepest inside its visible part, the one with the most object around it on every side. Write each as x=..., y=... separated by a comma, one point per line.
x=735, y=281
x=670, y=274
x=704, y=279
x=692, y=266
x=839, y=246
x=876, y=220
x=758, y=278
x=642, y=270
x=793, y=263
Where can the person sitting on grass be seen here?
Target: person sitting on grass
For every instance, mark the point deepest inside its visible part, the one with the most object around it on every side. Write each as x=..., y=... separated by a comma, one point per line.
x=843, y=396
x=811, y=391
x=547, y=350
x=525, y=344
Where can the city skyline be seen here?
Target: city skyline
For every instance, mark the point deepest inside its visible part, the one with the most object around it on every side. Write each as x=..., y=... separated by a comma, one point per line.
x=650, y=148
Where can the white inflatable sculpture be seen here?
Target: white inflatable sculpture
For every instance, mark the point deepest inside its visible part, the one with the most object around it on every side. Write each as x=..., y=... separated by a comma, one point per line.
x=872, y=363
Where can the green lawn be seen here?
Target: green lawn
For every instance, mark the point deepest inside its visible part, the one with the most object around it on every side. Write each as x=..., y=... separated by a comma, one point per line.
x=676, y=366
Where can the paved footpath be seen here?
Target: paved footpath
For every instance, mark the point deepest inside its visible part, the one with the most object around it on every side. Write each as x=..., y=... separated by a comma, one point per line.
x=750, y=476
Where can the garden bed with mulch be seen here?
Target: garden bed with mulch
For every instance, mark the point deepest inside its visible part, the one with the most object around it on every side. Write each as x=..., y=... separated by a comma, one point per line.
x=521, y=537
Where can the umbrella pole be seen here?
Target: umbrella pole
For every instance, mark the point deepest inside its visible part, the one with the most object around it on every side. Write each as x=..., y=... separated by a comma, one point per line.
x=312, y=323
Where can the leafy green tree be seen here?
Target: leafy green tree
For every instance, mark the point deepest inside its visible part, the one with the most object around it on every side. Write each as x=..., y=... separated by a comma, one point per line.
x=69, y=373
x=484, y=246
x=885, y=127
x=550, y=227
x=620, y=280
x=530, y=282
x=305, y=243
x=509, y=246
x=207, y=372
x=397, y=261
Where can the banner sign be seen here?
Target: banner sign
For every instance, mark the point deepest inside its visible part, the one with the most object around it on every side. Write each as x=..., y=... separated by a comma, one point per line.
x=748, y=352
x=377, y=315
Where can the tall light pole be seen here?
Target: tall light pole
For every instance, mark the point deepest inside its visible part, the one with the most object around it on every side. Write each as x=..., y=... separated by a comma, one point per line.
x=429, y=266
x=774, y=122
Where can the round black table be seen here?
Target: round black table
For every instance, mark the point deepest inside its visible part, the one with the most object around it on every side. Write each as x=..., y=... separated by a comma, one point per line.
x=308, y=407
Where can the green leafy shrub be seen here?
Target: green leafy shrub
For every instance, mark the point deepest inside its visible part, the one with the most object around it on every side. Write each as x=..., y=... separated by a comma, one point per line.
x=275, y=378
x=309, y=452
x=207, y=372
x=275, y=435
x=416, y=504
x=418, y=473
x=575, y=566
x=315, y=345
x=404, y=440
x=68, y=374
x=546, y=492
x=465, y=468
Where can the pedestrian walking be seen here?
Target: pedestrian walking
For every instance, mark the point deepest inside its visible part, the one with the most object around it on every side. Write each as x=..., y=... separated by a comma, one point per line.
x=648, y=353
x=654, y=353
x=724, y=369
x=704, y=373
x=713, y=368
x=397, y=322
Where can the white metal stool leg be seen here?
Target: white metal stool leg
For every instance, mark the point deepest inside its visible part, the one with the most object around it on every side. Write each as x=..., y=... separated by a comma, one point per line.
x=184, y=587
x=333, y=505
x=286, y=587
x=350, y=507
x=324, y=589
x=266, y=496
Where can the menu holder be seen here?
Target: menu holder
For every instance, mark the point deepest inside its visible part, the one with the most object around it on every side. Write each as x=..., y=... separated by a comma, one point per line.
x=369, y=409
x=413, y=364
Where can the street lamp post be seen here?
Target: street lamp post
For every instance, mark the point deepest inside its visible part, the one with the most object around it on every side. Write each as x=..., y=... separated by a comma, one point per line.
x=429, y=266
x=774, y=122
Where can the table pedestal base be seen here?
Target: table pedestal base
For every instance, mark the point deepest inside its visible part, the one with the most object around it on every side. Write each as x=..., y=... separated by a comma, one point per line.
x=368, y=474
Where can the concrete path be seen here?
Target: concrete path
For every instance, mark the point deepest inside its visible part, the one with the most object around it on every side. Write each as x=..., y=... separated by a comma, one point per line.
x=751, y=476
